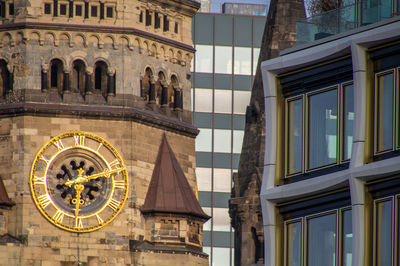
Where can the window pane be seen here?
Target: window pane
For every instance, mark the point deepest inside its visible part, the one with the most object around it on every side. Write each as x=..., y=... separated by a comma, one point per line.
x=223, y=59
x=203, y=100
x=204, y=58
x=238, y=136
x=293, y=256
x=203, y=140
x=383, y=233
x=222, y=140
x=221, y=220
x=321, y=239
x=223, y=101
x=348, y=104
x=384, y=112
x=294, y=136
x=242, y=100
x=242, y=60
x=347, y=238
x=222, y=180
x=322, y=129
x=203, y=176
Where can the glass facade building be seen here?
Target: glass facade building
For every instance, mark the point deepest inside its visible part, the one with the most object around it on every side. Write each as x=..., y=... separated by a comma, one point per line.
x=227, y=49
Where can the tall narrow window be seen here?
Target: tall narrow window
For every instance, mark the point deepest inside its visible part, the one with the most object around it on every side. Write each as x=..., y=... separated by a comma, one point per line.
x=322, y=129
x=384, y=112
x=141, y=16
x=93, y=11
x=166, y=23
x=293, y=244
x=148, y=18
x=97, y=78
x=47, y=8
x=78, y=76
x=63, y=9
x=176, y=27
x=110, y=12
x=11, y=9
x=294, y=136
x=383, y=233
x=348, y=120
x=78, y=10
x=347, y=238
x=321, y=240
x=5, y=82
x=100, y=77
x=156, y=20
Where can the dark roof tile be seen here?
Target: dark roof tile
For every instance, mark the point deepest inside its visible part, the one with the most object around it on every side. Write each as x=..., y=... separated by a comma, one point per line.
x=169, y=190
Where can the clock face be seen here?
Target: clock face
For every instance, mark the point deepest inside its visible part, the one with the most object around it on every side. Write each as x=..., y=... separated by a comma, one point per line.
x=78, y=181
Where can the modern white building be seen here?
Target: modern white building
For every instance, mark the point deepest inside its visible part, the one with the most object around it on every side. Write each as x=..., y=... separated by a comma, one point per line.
x=331, y=185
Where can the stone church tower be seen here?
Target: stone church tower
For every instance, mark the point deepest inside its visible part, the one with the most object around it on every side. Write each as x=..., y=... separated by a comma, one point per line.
x=89, y=90
x=244, y=205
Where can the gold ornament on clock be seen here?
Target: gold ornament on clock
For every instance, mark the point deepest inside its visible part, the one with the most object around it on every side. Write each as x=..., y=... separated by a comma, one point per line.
x=79, y=182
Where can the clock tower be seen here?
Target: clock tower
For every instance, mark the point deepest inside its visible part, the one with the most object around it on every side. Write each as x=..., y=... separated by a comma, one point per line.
x=90, y=90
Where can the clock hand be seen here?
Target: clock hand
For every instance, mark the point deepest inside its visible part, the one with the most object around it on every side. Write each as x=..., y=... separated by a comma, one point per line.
x=106, y=173
x=77, y=201
x=81, y=179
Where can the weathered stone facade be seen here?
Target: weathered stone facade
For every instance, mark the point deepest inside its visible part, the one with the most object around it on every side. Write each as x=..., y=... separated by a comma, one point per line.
x=245, y=206
x=110, y=68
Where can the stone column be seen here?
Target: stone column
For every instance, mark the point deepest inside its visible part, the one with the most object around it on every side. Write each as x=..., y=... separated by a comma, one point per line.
x=45, y=83
x=66, y=85
x=152, y=91
x=88, y=83
x=111, y=83
x=164, y=95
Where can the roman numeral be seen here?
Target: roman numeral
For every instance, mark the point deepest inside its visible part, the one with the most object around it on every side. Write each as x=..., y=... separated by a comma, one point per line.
x=100, y=145
x=59, y=144
x=79, y=140
x=115, y=164
x=58, y=216
x=119, y=184
x=44, y=200
x=78, y=222
x=99, y=220
x=114, y=204
x=41, y=157
x=39, y=180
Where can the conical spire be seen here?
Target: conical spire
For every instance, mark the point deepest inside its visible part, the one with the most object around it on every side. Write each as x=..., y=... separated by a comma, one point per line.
x=169, y=190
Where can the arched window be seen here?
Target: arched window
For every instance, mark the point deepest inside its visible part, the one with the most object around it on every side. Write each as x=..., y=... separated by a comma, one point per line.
x=56, y=73
x=177, y=98
x=100, y=77
x=78, y=76
x=146, y=84
x=5, y=79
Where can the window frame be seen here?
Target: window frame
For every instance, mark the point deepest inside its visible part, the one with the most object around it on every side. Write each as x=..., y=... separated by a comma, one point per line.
x=81, y=5
x=395, y=104
x=305, y=167
x=304, y=234
x=97, y=6
x=64, y=4
x=394, y=228
x=50, y=6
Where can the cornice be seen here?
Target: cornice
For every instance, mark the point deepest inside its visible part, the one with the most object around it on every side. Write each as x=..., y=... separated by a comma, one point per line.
x=99, y=112
x=97, y=29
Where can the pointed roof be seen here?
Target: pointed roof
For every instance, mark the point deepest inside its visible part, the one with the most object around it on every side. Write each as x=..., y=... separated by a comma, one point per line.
x=169, y=190
x=4, y=199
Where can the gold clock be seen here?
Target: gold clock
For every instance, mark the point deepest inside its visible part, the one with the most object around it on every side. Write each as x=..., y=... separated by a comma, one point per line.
x=79, y=182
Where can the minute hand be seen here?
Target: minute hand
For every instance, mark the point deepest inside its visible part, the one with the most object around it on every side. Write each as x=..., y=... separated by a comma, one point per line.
x=105, y=173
